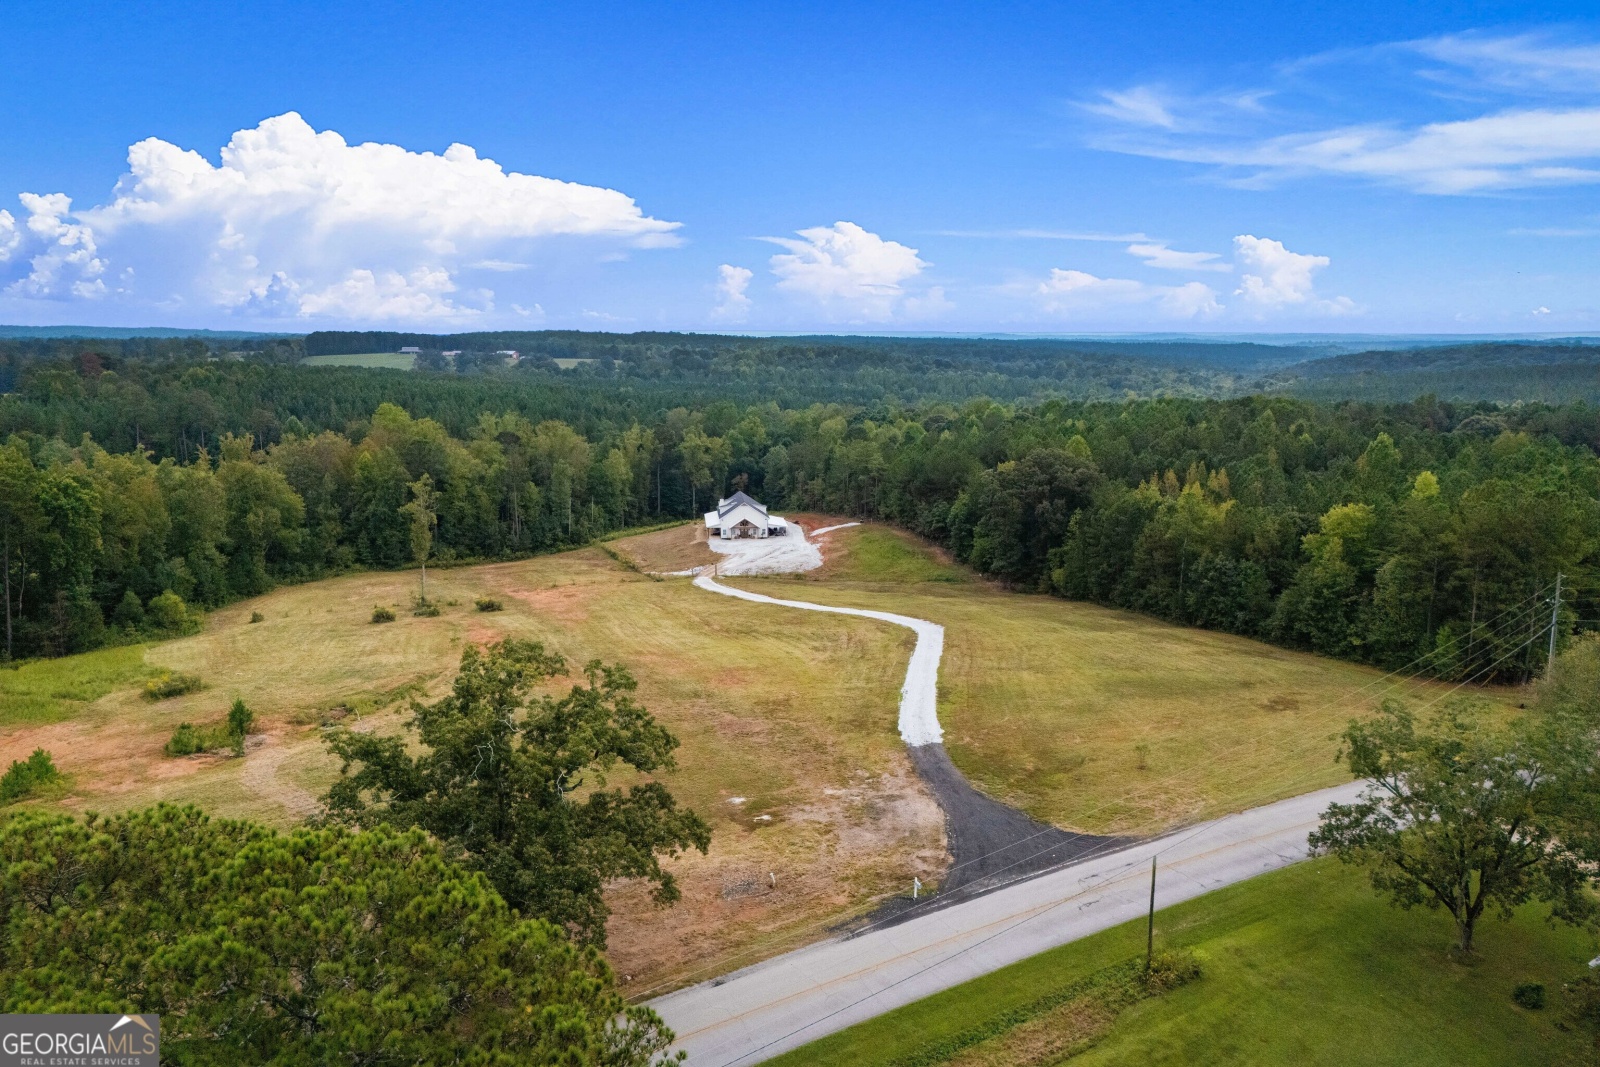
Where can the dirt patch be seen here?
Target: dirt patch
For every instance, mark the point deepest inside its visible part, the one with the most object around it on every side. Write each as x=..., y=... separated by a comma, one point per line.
x=680, y=548
x=767, y=880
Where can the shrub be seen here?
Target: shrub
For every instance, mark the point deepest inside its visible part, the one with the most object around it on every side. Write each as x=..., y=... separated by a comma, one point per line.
x=489, y=604
x=1529, y=995
x=1172, y=968
x=382, y=615
x=240, y=719
x=171, y=684
x=256, y=616
x=185, y=741
x=427, y=610
x=169, y=614
x=26, y=776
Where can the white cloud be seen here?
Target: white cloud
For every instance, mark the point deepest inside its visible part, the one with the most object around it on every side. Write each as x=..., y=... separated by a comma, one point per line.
x=1523, y=61
x=1507, y=150
x=1069, y=292
x=1276, y=281
x=733, y=304
x=10, y=238
x=1541, y=310
x=1281, y=278
x=848, y=270
x=298, y=223
x=1513, y=112
x=1142, y=105
x=1164, y=258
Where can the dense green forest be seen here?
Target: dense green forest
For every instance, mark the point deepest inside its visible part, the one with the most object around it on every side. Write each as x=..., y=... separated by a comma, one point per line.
x=1381, y=533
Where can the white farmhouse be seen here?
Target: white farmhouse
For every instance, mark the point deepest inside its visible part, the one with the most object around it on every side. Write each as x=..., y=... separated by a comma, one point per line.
x=741, y=516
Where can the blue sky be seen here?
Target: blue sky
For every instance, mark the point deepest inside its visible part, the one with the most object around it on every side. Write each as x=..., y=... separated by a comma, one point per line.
x=1050, y=168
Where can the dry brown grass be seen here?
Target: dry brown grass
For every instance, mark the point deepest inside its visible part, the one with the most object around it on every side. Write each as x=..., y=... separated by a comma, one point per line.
x=796, y=715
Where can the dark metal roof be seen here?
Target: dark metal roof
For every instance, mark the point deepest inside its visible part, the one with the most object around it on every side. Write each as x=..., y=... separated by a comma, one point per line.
x=735, y=500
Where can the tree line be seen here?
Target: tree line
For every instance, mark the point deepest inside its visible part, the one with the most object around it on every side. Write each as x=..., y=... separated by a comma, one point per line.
x=1381, y=533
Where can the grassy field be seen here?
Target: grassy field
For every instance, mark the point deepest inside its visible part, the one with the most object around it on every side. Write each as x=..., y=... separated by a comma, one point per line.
x=1102, y=720
x=1304, y=967
x=383, y=360
x=1086, y=717
x=793, y=717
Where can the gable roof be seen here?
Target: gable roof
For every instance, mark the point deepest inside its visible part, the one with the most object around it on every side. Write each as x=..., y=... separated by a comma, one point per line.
x=728, y=504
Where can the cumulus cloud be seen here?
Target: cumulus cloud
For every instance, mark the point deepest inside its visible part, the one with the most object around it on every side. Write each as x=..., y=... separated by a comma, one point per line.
x=1164, y=258
x=733, y=304
x=1275, y=280
x=300, y=223
x=1068, y=292
x=851, y=271
x=1280, y=278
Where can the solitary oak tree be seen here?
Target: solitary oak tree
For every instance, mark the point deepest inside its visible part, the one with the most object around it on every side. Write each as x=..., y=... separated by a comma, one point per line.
x=515, y=784
x=1466, y=816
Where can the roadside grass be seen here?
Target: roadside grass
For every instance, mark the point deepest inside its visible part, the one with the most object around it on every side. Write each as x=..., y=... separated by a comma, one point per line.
x=795, y=715
x=1106, y=721
x=382, y=360
x=1303, y=966
x=50, y=690
x=668, y=551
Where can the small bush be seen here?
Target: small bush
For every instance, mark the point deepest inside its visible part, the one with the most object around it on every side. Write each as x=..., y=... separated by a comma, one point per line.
x=240, y=719
x=171, y=684
x=169, y=614
x=26, y=776
x=427, y=611
x=1172, y=968
x=185, y=741
x=1529, y=995
x=489, y=604
x=382, y=615
x=256, y=616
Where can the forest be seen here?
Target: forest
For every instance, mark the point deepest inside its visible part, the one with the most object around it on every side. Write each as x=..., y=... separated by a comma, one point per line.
x=144, y=479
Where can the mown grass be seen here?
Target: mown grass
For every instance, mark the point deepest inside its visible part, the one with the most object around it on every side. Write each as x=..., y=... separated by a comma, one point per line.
x=1108, y=721
x=880, y=554
x=1305, y=966
x=50, y=690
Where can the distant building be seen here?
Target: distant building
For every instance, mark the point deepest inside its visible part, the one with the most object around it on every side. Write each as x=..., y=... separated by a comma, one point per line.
x=510, y=354
x=411, y=351
x=742, y=516
x=452, y=353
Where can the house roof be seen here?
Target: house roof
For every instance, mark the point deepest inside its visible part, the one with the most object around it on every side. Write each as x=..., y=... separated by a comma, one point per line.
x=726, y=505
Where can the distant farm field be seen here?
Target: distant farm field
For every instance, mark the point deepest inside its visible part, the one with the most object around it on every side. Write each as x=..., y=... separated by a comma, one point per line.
x=383, y=360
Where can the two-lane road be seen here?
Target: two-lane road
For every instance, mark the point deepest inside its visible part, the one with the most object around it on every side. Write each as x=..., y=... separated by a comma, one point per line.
x=784, y=1002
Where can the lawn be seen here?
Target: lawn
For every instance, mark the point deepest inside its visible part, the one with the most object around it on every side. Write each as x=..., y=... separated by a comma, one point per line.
x=1101, y=720
x=382, y=360
x=1305, y=966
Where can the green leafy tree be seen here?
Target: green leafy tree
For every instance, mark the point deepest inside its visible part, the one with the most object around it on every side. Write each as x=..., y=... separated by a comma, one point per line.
x=1466, y=816
x=515, y=784
x=320, y=946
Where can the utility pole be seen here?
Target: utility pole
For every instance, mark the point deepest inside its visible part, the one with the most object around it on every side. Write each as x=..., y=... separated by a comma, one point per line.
x=1150, y=930
x=1555, y=614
